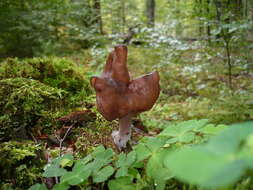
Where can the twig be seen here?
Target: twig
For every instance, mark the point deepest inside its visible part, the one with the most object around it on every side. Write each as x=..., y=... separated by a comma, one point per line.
x=61, y=140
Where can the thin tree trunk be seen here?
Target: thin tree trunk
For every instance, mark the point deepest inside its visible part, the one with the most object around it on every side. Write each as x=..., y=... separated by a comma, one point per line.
x=200, y=21
x=208, y=25
x=98, y=17
x=218, y=7
x=229, y=65
x=150, y=12
x=123, y=16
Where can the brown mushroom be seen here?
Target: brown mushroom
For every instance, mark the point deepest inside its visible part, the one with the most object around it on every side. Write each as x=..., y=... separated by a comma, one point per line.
x=119, y=97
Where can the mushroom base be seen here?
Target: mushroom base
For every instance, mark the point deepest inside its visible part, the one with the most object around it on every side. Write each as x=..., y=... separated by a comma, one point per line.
x=122, y=136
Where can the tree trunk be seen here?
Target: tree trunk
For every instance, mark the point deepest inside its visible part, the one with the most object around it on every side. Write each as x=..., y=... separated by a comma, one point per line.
x=123, y=15
x=201, y=14
x=98, y=17
x=208, y=25
x=150, y=12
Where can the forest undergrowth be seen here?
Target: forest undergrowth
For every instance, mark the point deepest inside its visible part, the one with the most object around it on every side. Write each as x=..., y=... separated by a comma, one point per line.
x=48, y=102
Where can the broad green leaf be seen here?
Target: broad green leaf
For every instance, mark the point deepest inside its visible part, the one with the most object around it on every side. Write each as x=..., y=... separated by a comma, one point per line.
x=75, y=177
x=58, y=160
x=183, y=127
x=201, y=167
x=154, y=144
x=229, y=140
x=87, y=159
x=211, y=129
x=122, y=171
x=134, y=173
x=97, y=165
x=130, y=159
x=155, y=166
x=79, y=173
x=142, y=152
x=121, y=160
x=103, y=174
x=38, y=187
x=66, y=162
x=79, y=165
x=186, y=137
x=218, y=163
x=122, y=183
x=172, y=140
x=54, y=171
x=61, y=186
x=104, y=156
x=98, y=150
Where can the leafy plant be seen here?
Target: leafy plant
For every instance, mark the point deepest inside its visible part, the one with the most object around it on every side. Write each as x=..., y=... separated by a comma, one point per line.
x=145, y=166
x=219, y=163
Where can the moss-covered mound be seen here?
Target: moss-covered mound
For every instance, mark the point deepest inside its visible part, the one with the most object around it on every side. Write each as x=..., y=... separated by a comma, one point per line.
x=23, y=102
x=55, y=72
x=33, y=92
x=20, y=164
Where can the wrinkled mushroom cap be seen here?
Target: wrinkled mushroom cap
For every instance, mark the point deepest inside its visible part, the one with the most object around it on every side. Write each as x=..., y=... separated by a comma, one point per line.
x=117, y=95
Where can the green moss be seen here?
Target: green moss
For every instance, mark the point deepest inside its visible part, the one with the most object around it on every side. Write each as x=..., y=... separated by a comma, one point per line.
x=33, y=92
x=20, y=164
x=23, y=102
x=56, y=72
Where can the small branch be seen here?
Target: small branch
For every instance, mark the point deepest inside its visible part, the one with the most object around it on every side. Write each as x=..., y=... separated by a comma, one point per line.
x=61, y=140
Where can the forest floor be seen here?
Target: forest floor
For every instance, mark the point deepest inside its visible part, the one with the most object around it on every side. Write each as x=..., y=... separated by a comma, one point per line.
x=53, y=102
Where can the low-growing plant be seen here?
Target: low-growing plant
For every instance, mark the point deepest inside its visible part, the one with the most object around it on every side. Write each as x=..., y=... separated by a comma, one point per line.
x=149, y=164
x=220, y=163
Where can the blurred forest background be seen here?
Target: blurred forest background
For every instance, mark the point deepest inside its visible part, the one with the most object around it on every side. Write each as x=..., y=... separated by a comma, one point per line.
x=49, y=49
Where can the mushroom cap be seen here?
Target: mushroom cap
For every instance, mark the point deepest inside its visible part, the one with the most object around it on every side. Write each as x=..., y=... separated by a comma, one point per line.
x=117, y=95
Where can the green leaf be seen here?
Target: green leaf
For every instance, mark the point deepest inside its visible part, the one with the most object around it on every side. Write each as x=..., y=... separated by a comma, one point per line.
x=201, y=167
x=38, y=187
x=66, y=162
x=87, y=159
x=142, y=152
x=98, y=150
x=171, y=140
x=121, y=160
x=229, y=140
x=103, y=174
x=75, y=177
x=183, y=127
x=122, y=183
x=104, y=156
x=154, y=144
x=122, y=171
x=186, y=137
x=156, y=169
x=211, y=129
x=130, y=159
x=61, y=186
x=80, y=172
x=54, y=171
x=219, y=163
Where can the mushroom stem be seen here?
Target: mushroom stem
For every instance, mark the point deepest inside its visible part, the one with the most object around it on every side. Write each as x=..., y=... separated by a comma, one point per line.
x=122, y=136
x=125, y=125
